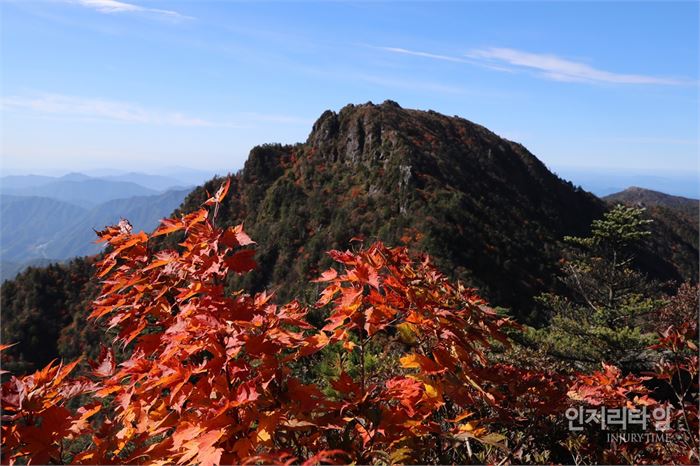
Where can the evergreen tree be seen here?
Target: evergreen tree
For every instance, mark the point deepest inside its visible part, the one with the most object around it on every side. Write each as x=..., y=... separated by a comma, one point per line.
x=603, y=315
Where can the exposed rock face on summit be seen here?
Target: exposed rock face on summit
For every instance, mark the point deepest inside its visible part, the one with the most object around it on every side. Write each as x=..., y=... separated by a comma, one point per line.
x=485, y=208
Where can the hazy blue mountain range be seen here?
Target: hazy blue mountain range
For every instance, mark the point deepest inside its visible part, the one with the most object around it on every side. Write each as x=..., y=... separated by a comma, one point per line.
x=39, y=227
x=144, y=213
x=191, y=176
x=28, y=223
x=90, y=190
x=87, y=192
x=24, y=181
x=161, y=179
x=160, y=183
x=48, y=218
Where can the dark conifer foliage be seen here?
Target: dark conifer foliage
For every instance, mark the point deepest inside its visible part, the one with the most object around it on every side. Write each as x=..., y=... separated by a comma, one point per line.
x=44, y=310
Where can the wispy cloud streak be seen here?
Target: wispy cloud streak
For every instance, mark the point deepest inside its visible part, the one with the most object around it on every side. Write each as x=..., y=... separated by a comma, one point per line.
x=115, y=6
x=561, y=69
x=101, y=109
x=416, y=53
x=71, y=106
x=546, y=66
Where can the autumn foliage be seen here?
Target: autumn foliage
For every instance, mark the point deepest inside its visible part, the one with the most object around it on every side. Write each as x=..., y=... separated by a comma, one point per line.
x=199, y=374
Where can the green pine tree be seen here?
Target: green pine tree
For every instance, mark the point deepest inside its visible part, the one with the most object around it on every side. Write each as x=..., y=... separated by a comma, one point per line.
x=603, y=314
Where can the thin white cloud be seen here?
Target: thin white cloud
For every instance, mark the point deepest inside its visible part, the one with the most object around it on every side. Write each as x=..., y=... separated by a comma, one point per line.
x=71, y=106
x=114, y=6
x=546, y=66
x=416, y=53
x=66, y=106
x=560, y=69
x=450, y=58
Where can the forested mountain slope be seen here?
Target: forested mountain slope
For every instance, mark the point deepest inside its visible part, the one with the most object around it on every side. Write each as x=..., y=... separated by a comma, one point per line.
x=488, y=211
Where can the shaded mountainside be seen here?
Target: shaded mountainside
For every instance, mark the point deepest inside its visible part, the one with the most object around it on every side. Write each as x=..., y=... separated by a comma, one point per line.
x=648, y=198
x=488, y=211
x=674, y=237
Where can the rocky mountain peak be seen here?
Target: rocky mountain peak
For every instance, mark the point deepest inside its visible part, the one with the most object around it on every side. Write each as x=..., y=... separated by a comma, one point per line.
x=485, y=208
x=357, y=133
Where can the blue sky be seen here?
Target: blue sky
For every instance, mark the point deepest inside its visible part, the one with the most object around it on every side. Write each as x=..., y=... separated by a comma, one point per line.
x=139, y=84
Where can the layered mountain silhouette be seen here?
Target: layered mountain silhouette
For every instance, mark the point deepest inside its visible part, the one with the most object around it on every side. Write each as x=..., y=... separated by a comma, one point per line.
x=35, y=230
x=74, y=188
x=485, y=208
x=28, y=223
x=50, y=219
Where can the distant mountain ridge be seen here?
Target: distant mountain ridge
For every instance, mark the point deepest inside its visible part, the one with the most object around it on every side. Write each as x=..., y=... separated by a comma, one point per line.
x=44, y=218
x=166, y=178
x=647, y=197
x=605, y=182
x=144, y=213
x=157, y=182
x=87, y=192
x=676, y=221
x=43, y=228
